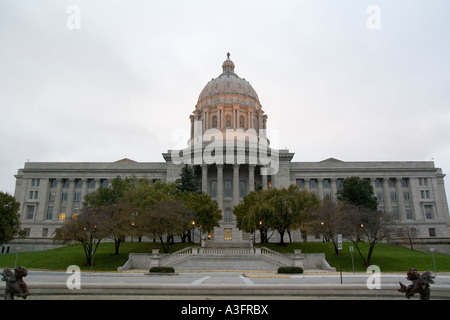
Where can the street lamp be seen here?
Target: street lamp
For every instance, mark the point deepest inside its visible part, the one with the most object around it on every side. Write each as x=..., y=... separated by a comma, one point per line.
x=193, y=233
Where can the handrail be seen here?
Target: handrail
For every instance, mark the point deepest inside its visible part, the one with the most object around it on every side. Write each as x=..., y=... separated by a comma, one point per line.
x=276, y=256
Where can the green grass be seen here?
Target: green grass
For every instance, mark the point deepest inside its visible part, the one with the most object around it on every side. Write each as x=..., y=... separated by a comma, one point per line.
x=61, y=258
x=390, y=258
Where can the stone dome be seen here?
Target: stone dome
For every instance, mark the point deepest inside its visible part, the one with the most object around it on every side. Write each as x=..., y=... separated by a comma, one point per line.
x=228, y=87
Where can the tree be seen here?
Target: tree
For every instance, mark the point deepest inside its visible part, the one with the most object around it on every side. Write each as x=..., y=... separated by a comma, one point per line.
x=187, y=181
x=117, y=212
x=327, y=219
x=165, y=217
x=358, y=192
x=9, y=218
x=407, y=234
x=276, y=209
x=206, y=212
x=86, y=228
x=290, y=207
x=254, y=214
x=371, y=225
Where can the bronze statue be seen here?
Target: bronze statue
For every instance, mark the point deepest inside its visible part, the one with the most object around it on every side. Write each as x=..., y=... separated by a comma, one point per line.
x=420, y=284
x=15, y=286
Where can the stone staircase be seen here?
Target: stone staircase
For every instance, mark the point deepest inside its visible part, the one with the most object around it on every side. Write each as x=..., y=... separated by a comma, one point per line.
x=226, y=256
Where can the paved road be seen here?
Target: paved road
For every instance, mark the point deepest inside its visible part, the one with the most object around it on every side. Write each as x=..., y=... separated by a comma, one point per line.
x=246, y=278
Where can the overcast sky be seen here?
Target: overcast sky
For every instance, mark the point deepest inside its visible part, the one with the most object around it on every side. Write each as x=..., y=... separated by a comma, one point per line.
x=104, y=80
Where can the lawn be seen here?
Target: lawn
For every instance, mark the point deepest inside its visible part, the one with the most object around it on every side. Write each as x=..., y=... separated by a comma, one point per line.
x=61, y=258
x=388, y=257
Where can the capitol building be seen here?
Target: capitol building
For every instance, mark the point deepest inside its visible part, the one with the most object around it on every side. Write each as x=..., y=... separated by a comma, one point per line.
x=229, y=150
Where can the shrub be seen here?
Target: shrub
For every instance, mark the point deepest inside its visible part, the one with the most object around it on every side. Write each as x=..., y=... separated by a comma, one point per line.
x=162, y=269
x=290, y=270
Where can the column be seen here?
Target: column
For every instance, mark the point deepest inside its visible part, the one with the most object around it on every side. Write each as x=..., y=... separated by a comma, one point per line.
x=204, y=178
x=333, y=188
x=400, y=199
x=57, y=205
x=251, y=177
x=264, y=181
x=235, y=184
x=84, y=188
x=320, y=187
x=387, y=195
x=70, y=197
x=220, y=185
x=306, y=186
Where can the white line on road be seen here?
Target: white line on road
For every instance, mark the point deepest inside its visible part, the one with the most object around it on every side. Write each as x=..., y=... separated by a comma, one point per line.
x=199, y=281
x=246, y=280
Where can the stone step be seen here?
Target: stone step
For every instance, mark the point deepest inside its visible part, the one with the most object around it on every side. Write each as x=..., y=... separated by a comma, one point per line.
x=213, y=244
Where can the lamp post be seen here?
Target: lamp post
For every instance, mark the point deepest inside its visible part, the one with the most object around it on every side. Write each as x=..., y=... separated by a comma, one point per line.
x=193, y=231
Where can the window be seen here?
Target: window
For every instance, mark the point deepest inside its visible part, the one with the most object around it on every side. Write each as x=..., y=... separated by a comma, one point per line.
x=408, y=213
x=338, y=183
x=213, y=189
x=406, y=195
x=35, y=182
x=326, y=184
x=423, y=182
x=62, y=216
x=393, y=196
x=299, y=183
x=228, y=121
x=66, y=183
x=49, y=213
x=228, y=188
x=228, y=234
x=64, y=197
x=432, y=232
x=51, y=196
x=312, y=184
x=380, y=196
x=78, y=183
x=428, y=212
x=77, y=197
x=228, y=216
x=241, y=189
x=391, y=183
x=91, y=183
x=53, y=183
x=27, y=232
x=214, y=122
x=395, y=212
x=405, y=183
x=378, y=183
x=44, y=232
x=104, y=183
x=241, y=122
x=30, y=212
x=425, y=194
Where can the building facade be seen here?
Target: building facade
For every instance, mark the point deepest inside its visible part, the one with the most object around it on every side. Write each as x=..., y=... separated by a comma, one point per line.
x=230, y=152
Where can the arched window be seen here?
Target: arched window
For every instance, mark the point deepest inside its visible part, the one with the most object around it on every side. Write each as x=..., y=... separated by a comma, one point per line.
x=228, y=121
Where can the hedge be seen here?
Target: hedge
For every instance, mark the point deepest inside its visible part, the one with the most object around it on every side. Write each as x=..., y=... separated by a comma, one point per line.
x=162, y=269
x=290, y=270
